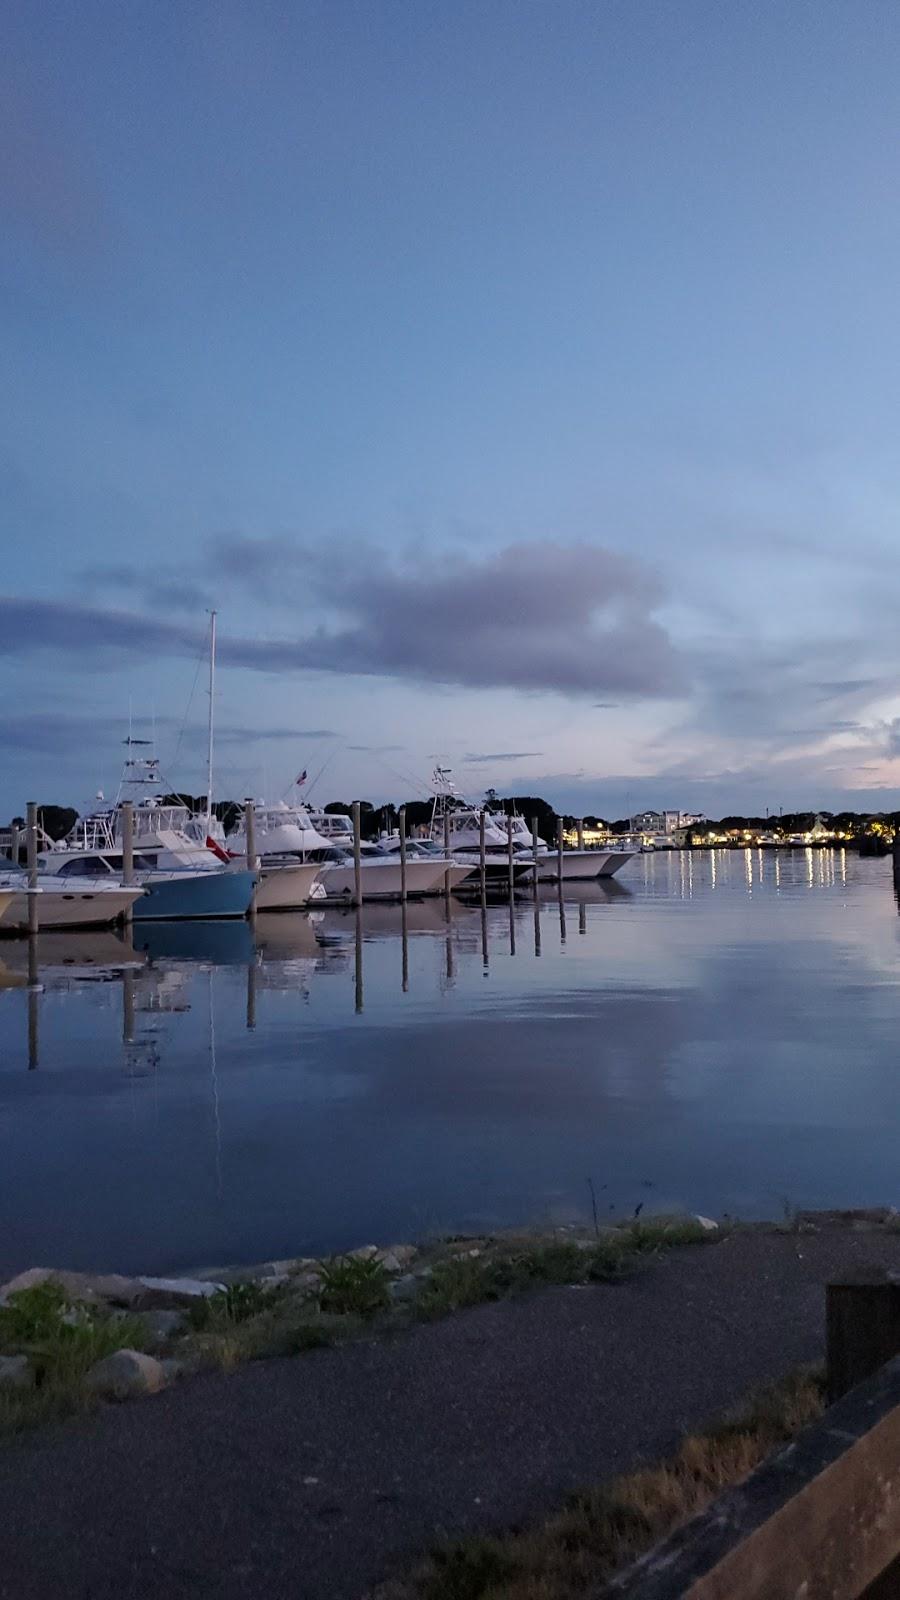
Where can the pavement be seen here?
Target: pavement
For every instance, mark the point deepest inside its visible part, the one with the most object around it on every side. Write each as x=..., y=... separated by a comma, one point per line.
x=314, y=1478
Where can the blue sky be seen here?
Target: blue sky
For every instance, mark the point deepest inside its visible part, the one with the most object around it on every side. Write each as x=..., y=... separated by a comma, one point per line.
x=519, y=381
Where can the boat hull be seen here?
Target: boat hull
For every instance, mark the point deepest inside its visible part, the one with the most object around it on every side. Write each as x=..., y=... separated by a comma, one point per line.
x=381, y=880
x=286, y=888
x=582, y=866
x=70, y=908
x=195, y=896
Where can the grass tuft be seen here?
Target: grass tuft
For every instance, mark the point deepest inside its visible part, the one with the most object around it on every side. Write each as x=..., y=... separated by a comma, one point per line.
x=63, y=1339
x=602, y=1529
x=353, y=1286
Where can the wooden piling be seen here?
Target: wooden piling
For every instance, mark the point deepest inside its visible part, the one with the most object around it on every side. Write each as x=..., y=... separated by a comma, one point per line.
x=559, y=850
x=128, y=851
x=402, y=822
x=447, y=851
x=581, y=833
x=481, y=856
x=250, y=845
x=357, y=857
x=31, y=859
x=535, y=846
x=509, y=855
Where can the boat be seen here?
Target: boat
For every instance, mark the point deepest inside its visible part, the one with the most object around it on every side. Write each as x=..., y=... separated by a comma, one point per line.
x=454, y=872
x=94, y=904
x=177, y=878
x=462, y=822
x=578, y=866
x=290, y=833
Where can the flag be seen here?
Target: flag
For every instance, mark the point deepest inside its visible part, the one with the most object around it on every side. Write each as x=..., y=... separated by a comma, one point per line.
x=302, y=777
x=216, y=849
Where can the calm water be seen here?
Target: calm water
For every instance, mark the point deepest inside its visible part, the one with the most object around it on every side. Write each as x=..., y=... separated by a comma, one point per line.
x=718, y=1032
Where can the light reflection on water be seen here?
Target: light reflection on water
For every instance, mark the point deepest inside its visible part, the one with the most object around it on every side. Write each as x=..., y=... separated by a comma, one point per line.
x=716, y=1031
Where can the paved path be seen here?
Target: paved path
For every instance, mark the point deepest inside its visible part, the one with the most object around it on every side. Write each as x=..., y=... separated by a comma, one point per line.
x=315, y=1477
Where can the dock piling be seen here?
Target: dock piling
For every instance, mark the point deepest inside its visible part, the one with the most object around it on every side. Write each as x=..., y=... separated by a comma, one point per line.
x=128, y=851
x=402, y=823
x=31, y=859
x=357, y=857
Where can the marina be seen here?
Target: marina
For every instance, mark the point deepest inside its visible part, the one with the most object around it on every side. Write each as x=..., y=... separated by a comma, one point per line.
x=186, y=1092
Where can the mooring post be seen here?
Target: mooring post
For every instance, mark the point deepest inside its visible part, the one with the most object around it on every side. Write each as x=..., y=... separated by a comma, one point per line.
x=862, y=1323
x=509, y=854
x=581, y=833
x=559, y=850
x=250, y=846
x=128, y=851
x=402, y=821
x=357, y=856
x=447, y=852
x=481, y=856
x=534, y=841
x=31, y=859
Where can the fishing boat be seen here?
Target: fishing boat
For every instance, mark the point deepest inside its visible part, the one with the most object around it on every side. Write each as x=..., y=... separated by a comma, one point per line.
x=577, y=865
x=452, y=816
x=95, y=904
x=285, y=833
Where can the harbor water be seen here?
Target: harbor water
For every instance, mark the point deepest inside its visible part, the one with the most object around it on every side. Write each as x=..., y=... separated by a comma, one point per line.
x=713, y=1031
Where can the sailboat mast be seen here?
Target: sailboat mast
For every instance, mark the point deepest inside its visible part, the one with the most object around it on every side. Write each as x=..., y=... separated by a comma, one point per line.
x=212, y=692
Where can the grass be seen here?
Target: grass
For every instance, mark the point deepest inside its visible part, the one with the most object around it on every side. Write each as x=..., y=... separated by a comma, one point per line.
x=62, y=1339
x=464, y=1280
x=353, y=1286
x=603, y=1529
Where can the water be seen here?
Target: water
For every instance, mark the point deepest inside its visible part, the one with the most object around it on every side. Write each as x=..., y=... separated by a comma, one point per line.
x=717, y=1032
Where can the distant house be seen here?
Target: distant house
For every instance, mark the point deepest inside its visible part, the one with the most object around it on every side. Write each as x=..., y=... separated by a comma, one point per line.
x=666, y=823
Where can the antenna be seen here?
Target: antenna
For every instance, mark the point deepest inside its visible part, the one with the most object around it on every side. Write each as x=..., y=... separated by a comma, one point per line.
x=212, y=695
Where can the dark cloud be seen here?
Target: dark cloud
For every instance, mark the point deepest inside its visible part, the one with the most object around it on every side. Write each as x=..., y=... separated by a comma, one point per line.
x=500, y=755
x=533, y=616
x=152, y=592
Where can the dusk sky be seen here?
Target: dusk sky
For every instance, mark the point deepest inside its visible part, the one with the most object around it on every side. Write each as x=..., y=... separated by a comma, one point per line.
x=518, y=381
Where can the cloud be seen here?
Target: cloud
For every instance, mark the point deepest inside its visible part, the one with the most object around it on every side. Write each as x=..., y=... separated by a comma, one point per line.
x=575, y=619
x=500, y=755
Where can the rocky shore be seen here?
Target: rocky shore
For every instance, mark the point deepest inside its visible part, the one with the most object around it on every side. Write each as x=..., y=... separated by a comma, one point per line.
x=68, y=1339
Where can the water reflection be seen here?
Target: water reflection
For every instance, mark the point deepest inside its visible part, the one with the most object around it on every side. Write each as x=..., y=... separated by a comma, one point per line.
x=722, y=1027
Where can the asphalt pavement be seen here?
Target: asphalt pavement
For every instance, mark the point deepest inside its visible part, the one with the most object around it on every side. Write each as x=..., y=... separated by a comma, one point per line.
x=313, y=1478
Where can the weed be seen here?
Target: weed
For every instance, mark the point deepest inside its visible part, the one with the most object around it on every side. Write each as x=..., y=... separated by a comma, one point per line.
x=32, y=1314
x=354, y=1286
x=237, y=1303
x=63, y=1340
x=599, y=1531
x=664, y=1233
x=455, y=1284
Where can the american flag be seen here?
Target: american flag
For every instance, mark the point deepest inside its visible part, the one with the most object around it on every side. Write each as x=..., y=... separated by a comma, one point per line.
x=302, y=777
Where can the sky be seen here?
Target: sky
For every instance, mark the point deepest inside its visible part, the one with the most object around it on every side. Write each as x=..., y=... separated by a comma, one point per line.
x=517, y=381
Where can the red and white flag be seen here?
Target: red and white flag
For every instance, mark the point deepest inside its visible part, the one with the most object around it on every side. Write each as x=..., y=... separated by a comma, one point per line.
x=216, y=848
x=302, y=777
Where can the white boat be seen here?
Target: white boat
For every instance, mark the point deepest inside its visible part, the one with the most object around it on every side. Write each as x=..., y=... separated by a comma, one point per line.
x=463, y=822
x=291, y=833
x=425, y=850
x=96, y=904
x=178, y=878
x=578, y=866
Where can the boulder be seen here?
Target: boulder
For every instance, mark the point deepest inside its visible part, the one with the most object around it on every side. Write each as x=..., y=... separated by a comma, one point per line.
x=169, y=1293
x=92, y=1287
x=397, y=1257
x=365, y=1252
x=406, y=1288
x=706, y=1223
x=163, y=1325
x=16, y=1372
x=125, y=1375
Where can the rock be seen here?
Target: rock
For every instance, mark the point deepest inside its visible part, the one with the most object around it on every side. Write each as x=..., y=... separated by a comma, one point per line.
x=110, y=1287
x=365, y=1252
x=124, y=1375
x=405, y=1288
x=166, y=1293
x=163, y=1325
x=397, y=1256
x=16, y=1372
x=706, y=1223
